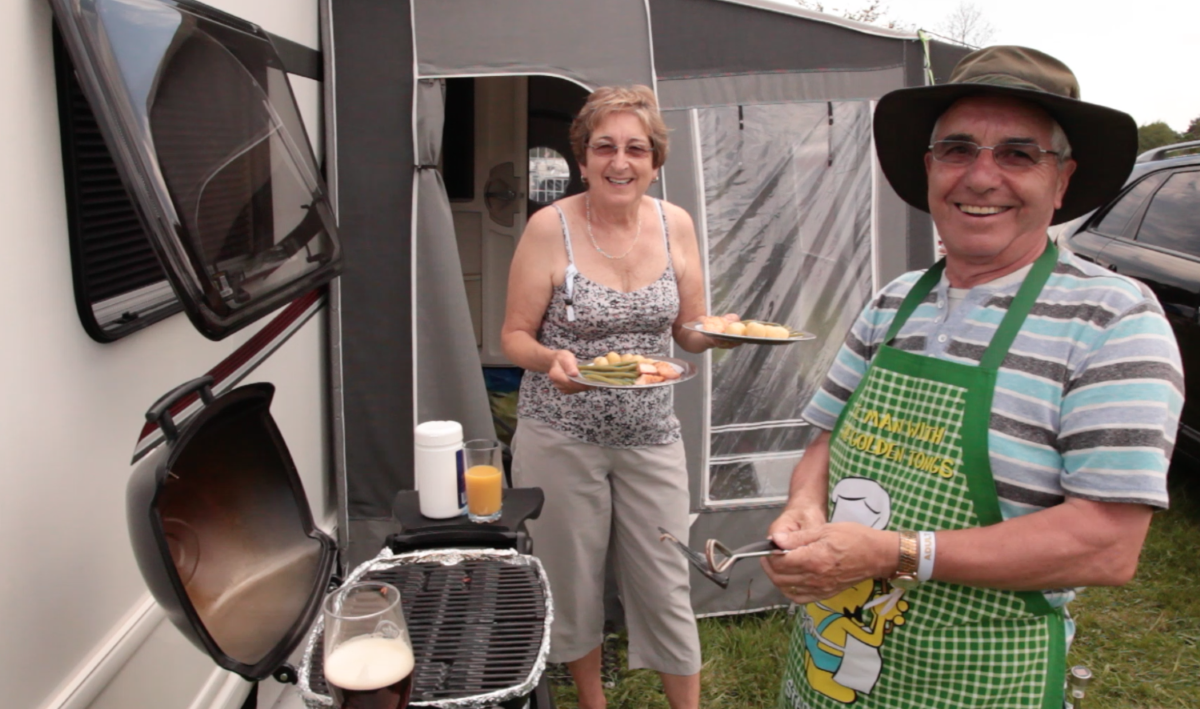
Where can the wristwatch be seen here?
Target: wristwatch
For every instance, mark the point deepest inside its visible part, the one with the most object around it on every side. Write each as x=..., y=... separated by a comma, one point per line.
x=905, y=577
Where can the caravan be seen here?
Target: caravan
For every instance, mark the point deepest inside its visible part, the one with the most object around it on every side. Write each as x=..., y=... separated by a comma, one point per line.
x=176, y=172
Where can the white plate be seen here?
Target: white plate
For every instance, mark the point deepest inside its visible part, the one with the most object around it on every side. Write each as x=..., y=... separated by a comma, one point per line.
x=686, y=370
x=800, y=337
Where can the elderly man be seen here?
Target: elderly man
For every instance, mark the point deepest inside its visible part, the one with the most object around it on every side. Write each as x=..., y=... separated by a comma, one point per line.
x=996, y=429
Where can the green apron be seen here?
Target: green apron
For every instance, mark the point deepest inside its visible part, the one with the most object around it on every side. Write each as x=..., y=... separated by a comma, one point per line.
x=912, y=448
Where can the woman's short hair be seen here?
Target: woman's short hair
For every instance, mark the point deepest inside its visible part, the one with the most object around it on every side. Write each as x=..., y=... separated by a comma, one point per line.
x=607, y=100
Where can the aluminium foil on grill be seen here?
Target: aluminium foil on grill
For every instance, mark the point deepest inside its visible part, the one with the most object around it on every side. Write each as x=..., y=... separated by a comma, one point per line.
x=446, y=557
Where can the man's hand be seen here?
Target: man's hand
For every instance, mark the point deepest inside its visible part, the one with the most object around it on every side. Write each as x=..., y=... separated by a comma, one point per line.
x=826, y=559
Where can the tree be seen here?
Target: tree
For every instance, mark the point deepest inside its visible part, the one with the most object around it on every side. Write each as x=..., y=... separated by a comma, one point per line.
x=1193, y=130
x=871, y=13
x=966, y=25
x=1155, y=135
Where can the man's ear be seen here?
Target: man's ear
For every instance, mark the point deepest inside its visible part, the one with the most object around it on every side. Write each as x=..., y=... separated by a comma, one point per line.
x=1064, y=180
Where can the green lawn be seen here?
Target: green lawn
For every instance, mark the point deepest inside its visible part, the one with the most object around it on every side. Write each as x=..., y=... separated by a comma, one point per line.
x=1141, y=641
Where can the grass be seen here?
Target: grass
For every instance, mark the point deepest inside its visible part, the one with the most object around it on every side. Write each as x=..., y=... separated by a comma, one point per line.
x=1141, y=641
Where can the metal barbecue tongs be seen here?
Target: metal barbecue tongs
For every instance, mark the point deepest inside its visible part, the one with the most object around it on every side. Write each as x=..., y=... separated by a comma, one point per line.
x=717, y=558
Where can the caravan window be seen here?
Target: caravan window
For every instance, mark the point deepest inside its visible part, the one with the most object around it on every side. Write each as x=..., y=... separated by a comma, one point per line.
x=549, y=175
x=119, y=285
x=195, y=107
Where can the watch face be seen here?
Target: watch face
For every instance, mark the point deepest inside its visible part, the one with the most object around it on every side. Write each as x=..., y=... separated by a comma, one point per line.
x=905, y=582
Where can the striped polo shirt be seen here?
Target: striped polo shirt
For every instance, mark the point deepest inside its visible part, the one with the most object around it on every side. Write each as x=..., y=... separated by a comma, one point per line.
x=1087, y=400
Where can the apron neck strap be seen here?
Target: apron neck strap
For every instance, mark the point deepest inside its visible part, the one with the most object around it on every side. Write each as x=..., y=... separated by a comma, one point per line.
x=1013, y=319
x=1019, y=308
x=919, y=290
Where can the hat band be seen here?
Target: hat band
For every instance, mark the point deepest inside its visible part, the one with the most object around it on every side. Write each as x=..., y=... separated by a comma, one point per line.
x=1005, y=80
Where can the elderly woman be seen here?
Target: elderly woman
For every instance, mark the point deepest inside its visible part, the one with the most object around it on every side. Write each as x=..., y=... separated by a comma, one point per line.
x=609, y=270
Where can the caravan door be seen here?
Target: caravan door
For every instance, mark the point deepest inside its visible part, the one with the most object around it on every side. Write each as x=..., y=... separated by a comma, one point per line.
x=488, y=115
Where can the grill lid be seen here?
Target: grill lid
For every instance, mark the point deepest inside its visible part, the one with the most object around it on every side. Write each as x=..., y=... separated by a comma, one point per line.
x=222, y=531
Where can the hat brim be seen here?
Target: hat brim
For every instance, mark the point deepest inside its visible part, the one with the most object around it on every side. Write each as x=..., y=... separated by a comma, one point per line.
x=1103, y=141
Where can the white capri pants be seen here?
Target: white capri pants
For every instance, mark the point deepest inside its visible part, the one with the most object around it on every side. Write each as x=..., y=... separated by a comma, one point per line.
x=591, y=490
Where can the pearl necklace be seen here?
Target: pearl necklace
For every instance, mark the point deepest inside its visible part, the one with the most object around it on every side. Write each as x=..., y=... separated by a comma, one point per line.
x=587, y=201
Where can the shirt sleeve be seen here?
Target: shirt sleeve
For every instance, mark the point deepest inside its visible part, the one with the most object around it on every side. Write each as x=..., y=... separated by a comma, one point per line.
x=854, y=357
x=1120, y=413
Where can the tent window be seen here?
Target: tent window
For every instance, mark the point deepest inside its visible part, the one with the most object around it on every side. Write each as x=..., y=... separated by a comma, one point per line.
x=789, y=241
x=119, y=285
x=549, y=175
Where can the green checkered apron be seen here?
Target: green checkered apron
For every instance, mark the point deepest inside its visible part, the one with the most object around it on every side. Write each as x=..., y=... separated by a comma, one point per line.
x=918, y=427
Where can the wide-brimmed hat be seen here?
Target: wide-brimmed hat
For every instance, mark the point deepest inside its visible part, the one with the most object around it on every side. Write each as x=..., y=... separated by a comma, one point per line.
x=1103, y=140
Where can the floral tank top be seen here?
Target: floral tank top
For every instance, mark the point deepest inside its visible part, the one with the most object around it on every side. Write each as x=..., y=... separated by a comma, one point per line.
x=590, y=319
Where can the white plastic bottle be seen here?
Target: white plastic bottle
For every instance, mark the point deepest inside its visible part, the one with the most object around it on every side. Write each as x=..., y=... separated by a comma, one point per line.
x=438, y=464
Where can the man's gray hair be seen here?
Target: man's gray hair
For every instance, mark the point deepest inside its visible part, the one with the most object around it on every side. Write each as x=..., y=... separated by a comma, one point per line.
x=1058, y=139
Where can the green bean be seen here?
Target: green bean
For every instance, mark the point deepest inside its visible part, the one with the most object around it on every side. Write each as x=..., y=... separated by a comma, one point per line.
x=612, y=375
x=622, y=367
x=603, y=379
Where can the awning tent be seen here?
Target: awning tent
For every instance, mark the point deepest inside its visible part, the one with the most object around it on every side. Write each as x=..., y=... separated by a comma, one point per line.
x=770, y=110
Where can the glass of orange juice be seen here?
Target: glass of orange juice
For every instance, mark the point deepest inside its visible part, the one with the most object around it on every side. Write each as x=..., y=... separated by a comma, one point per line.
x=483, y=476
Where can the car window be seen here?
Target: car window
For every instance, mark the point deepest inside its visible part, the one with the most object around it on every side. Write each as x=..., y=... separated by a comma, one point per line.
x=1173, y=218
x=1116, y=220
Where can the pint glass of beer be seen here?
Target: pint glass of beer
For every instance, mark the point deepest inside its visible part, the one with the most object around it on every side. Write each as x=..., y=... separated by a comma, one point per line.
x=368, y=654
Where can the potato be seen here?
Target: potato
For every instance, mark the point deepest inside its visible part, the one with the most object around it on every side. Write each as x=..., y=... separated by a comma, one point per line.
x=778, y=332
x=627, y=358
x=600, y=361
x=755, y=329
x=735, y=328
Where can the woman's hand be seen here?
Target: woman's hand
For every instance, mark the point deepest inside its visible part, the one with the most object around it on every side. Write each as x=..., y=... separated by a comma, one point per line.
x=565, y=366
x=726, y=320
x=825, y=559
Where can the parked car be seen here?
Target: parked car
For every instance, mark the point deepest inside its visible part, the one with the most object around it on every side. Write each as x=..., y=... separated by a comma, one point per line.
x=1151, y=231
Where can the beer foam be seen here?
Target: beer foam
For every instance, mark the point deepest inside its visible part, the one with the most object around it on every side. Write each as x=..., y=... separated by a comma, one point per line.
x=368, y=662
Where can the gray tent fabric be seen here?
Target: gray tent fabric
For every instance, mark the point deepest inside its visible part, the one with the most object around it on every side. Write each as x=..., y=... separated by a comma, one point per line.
x=591, y=43
x=696, y=38
x=373, y=109
x=777, y=88
x=792, y=232
x=450, y=383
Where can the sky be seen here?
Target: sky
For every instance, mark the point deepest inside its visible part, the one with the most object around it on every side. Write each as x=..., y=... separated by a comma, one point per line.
x=1139, y=57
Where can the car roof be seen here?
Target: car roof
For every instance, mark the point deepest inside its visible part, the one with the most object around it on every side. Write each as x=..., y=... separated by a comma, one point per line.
x=1165, y=156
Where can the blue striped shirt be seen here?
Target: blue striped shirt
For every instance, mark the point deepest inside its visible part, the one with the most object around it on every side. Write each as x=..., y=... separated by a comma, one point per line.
x=1087, y=401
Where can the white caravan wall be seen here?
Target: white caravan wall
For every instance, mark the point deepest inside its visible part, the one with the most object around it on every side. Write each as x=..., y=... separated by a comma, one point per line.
x=71, y=410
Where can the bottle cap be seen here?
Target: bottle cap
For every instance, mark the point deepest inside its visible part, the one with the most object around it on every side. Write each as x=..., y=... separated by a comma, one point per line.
x=438, y=433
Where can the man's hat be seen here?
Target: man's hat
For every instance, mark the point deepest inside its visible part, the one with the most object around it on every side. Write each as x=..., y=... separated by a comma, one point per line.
x=1103, y=140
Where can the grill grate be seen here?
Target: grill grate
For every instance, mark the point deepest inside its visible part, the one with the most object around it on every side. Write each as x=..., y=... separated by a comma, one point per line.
x=476, y=627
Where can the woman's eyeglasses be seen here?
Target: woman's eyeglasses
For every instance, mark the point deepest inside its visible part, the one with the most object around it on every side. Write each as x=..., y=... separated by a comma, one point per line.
x=633, y=152
x=1013, y=156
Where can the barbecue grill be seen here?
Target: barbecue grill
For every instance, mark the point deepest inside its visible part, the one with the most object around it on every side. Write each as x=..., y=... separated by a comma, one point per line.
x=223, y=535
x=479, y=622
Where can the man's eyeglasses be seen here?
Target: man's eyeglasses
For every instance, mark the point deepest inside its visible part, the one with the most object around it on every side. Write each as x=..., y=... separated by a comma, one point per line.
x=633, y=152
x=1013, y=156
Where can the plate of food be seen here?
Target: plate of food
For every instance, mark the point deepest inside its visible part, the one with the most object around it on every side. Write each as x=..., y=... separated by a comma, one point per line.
x=634, y=371
x=758, y=332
